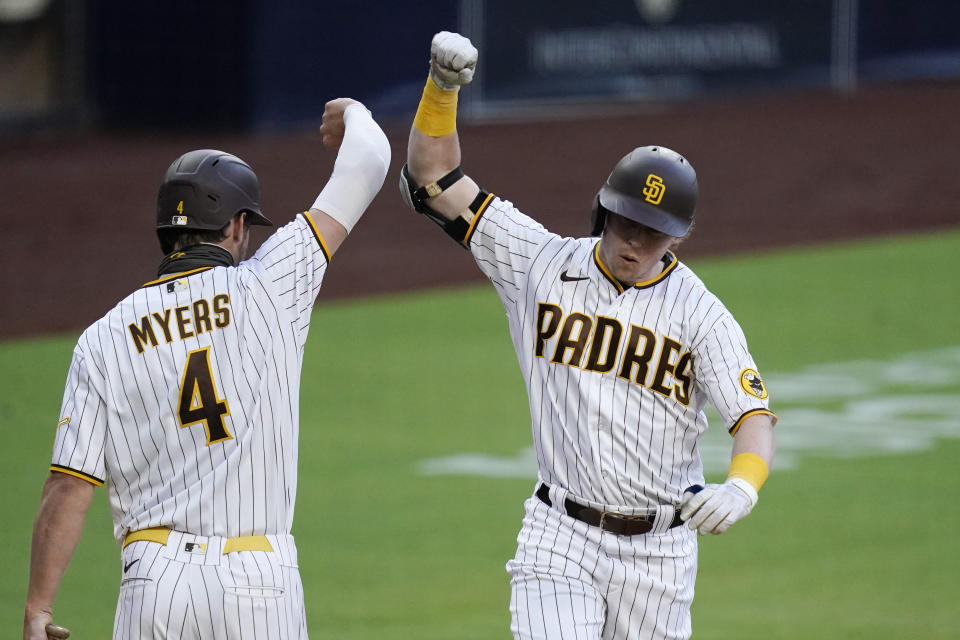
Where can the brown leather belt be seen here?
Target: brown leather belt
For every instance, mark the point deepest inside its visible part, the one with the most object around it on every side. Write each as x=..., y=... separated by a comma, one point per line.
x=618, y=523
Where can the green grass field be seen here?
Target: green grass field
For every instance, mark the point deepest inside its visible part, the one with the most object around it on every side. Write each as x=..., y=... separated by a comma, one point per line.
x=842, y=545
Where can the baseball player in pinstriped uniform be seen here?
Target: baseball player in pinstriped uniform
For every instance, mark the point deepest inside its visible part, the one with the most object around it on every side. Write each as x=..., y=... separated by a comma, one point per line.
x=621, y=346
x=184, y=401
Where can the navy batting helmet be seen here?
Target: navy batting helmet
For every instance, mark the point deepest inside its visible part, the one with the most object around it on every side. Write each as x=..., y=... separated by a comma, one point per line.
x=654, y=186
x=205, y=189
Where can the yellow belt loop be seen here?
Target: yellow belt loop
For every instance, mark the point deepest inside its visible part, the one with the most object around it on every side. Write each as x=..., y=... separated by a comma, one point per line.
x=152, y=534
x=161, y=534
x=247, y=543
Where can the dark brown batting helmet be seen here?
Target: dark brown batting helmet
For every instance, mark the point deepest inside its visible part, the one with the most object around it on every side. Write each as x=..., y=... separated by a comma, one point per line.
x=205, y=189
x=654, y=186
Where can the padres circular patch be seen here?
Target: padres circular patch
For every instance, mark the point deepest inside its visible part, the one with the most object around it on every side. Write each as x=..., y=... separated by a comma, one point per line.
x=752, y=383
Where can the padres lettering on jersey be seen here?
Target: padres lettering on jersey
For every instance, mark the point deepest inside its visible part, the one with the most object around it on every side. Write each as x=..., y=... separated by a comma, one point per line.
x=617, y=379
x=201, y=374
x=603, y=339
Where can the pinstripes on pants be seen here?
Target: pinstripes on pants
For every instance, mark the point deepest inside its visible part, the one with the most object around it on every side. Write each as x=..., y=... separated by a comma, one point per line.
x=171, y=592
x=573, y=581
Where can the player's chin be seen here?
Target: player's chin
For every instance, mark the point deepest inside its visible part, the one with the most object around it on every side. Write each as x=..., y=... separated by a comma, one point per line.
x=627, y=269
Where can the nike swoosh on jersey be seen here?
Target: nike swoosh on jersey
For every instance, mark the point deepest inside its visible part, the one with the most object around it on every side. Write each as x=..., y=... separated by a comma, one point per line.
x=127, y=566
x=566, y=278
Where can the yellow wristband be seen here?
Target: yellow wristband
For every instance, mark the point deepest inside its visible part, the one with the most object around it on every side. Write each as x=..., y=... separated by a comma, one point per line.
x=437, y=112
x=751, y=468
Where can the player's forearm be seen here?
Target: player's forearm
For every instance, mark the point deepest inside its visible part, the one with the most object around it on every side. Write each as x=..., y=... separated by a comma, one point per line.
x=56, y=532
x=433, y=148
x=756, y=436
x=429, y=158
x=753, y=449
x=714, y=509
x=358, y=172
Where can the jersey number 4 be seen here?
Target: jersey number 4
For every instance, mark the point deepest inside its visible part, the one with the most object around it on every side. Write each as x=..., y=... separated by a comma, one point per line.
x=198, y=398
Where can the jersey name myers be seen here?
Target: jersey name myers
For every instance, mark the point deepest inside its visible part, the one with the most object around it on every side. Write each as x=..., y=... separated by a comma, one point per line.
x=181, y=322
x=600, y=343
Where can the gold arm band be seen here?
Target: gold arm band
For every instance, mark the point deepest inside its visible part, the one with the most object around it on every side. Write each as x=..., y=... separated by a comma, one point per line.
x=437, y=112
x=751, y=468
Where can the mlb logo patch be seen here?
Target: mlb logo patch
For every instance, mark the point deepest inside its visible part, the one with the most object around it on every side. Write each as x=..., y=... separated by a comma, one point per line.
x=180, y=221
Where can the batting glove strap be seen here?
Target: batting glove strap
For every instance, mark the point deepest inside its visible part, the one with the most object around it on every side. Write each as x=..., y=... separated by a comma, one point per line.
x=746, y=487
x=718, y=506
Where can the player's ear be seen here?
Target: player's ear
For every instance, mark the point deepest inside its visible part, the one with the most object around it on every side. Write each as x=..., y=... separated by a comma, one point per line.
x=238, y=226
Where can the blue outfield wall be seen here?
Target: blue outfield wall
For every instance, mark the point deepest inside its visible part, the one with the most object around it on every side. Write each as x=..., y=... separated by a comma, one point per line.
x=550, y=50
x=567, y=51
x=376, y=52
x=253, y=64
x=257, y=65
x=905, y=39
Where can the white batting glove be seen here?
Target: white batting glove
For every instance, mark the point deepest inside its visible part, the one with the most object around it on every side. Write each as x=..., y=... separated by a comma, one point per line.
x=452, y=60
x=718, y=506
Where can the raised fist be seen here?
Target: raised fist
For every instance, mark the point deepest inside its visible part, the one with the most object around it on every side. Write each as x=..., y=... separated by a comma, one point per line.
x=452, y=60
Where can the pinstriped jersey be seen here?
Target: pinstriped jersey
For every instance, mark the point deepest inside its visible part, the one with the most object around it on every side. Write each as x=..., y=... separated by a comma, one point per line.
x=184, y=397
x=617, y=379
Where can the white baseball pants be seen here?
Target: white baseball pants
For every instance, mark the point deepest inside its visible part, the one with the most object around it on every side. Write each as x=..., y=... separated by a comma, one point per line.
x=189, y=589
x=572, y=581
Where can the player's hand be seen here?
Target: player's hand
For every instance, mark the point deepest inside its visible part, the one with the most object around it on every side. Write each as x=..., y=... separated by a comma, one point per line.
x=718, y=506
x=35, y=628
x=452, y=60
x=334, y=126
x=35, y=625
x=56, y=632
